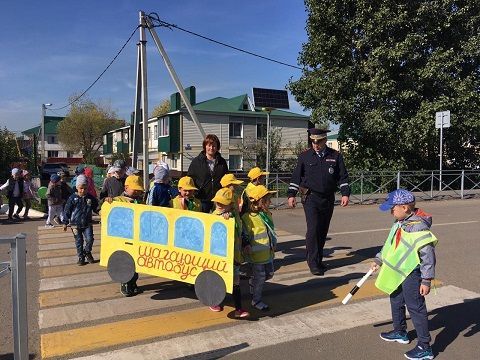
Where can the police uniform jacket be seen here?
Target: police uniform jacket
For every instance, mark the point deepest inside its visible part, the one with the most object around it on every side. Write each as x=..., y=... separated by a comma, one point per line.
x=320, y=174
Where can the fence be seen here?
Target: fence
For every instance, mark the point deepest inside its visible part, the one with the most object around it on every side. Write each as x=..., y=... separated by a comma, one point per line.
x=372, y=186
x=17, y=267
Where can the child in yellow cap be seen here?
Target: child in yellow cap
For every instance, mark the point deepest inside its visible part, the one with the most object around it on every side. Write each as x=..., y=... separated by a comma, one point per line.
x=231, y=182
x=257, y=177
x=185, y=200
x=260, y=240
x=224, y=206
x=133, y=193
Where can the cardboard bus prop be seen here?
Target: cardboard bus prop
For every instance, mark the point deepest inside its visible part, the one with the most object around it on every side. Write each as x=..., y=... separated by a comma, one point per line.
x=181, y=245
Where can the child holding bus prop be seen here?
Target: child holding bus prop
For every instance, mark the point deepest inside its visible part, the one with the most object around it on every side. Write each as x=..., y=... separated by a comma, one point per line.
x=260, y=240
x=224, y=206
x=408, y=258
x=185, y=199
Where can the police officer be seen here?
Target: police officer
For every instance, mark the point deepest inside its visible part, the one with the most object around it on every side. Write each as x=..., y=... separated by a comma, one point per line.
x=319, y=171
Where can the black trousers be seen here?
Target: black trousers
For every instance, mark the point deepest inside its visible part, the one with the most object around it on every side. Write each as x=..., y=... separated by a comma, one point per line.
x=12, y=201
x=318, y=213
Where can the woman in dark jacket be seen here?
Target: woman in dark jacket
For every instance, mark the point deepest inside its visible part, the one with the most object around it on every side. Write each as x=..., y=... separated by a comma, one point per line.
x=206, y=170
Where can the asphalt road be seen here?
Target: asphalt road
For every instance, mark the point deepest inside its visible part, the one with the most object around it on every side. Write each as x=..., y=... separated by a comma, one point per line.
x=359, y=228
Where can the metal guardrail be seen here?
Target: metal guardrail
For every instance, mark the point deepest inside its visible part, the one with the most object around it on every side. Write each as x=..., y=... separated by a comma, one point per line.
x=18, y=269
x=372, y=186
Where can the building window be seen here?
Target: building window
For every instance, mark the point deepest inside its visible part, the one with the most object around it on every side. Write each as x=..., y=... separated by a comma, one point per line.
x=52, y=153
x=235, y=129
x=155, y=131
x=69, y=154
x=164, y=124
x=52, y=139
x=261, y=131
x=235, y=162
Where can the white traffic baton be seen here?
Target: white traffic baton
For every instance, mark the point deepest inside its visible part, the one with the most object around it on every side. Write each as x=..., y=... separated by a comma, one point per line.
x=356, y=287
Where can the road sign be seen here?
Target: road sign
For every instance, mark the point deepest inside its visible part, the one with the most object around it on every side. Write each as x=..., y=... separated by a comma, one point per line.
x=442, y=119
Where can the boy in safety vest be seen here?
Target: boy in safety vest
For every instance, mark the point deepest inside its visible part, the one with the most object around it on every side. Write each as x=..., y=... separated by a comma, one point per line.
x=224, y=206
x=407, y=261
x=185, y=199
x=231, y=182
x=257, y=177
x=261, y=240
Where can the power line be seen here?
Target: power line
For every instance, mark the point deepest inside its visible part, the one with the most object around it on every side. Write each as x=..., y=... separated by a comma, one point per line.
x=156, y=19
x=103, y=72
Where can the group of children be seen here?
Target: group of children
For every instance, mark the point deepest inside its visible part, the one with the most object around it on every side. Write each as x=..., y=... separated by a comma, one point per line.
x=408, y=251
x=255, y=237
x=19, y=189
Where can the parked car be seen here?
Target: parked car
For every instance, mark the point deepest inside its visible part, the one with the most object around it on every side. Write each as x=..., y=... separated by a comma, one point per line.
x=53, y=168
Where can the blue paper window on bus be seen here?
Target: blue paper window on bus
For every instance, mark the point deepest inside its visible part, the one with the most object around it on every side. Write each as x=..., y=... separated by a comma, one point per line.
x=120, y=223
x=153, y=228
x=189, y=234
x=218, y=240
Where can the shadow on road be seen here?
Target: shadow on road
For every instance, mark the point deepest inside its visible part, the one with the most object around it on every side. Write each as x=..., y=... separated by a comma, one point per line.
x=454, y=320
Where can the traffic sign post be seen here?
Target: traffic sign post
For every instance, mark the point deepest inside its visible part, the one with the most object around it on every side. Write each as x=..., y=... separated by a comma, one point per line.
x=442, y=120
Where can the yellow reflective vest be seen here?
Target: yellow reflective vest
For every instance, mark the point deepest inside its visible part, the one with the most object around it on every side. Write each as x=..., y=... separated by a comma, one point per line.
x=399, y=262
x=262, y=247
x=194, y=204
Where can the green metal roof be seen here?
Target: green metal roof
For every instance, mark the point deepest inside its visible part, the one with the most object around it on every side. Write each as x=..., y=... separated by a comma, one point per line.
x=51, y=123
x=235, y=106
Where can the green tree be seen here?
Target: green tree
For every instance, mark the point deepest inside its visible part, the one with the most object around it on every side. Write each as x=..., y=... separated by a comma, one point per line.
x=381, y=69
x=84, y=126
x=161, y=109
x=8, y=152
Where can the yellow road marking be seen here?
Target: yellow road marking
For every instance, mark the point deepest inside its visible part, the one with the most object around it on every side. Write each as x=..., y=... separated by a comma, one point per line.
x=127, y=331
x=156, y=326
x=46, y=254
x=93, y=293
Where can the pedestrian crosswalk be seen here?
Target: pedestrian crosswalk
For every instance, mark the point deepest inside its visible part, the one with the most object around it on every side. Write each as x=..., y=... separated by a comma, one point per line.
x=81, y=312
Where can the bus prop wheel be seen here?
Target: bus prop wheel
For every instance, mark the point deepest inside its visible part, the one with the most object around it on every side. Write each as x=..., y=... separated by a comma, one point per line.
x=210, y=288
x=121, y=266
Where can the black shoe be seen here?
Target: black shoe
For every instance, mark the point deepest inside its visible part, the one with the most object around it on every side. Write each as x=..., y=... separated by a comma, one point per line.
x=129, y=291
x=89, y=257
x=323, y=266
x=16, y=216
x=317, y=272
x=81, y=261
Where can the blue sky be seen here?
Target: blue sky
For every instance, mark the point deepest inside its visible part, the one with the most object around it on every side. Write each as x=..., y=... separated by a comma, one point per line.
x=52, y=49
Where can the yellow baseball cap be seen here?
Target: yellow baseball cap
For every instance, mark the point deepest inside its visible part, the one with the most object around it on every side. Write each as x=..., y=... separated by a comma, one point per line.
x=134, y=182
x=230, y=179
x=223, y=196
x=186, y=183
x=256, y=172
x=259, y=192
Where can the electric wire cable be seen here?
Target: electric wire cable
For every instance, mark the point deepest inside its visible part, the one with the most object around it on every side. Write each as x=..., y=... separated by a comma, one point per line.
x=160, y=23
x=103, y=72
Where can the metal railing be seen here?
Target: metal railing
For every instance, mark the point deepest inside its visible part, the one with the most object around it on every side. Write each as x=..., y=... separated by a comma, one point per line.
x=372, y=186
x=17, y=268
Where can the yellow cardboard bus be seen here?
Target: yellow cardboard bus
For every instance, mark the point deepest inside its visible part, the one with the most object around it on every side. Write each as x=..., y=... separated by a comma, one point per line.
x=182, y=245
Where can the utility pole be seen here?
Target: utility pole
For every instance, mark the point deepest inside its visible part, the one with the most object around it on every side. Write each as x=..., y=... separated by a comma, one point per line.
x=42, y=137
x=143, y=65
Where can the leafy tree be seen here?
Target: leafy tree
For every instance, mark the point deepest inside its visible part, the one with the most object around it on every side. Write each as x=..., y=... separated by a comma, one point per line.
x=381, y=69
x=256, y=153
x=84, y=126
x=161, y=109
x=8, y=152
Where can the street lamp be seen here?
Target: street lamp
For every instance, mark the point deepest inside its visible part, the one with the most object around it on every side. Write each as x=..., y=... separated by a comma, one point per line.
x=42, y=153
x=268, y=110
